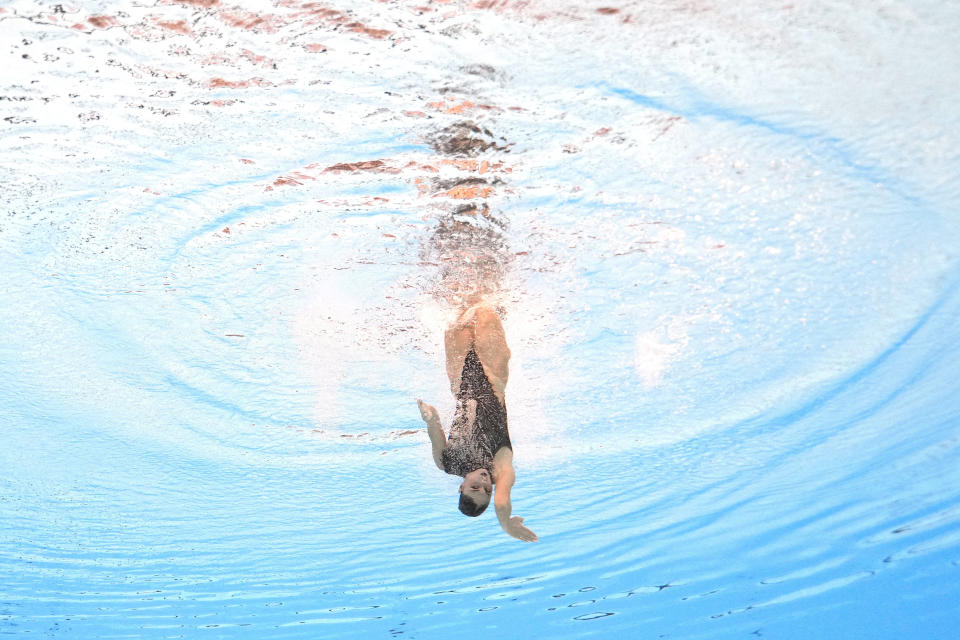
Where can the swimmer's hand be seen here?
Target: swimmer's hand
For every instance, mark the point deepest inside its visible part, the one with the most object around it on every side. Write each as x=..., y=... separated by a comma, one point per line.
x=428, y=412
x=515, y=528
x=505, y=475
x=438, y=441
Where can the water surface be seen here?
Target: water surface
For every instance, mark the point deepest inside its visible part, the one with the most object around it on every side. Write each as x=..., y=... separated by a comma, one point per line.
x=721, y=238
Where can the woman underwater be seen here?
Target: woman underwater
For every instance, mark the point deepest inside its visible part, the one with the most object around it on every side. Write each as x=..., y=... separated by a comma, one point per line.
x=477, y=447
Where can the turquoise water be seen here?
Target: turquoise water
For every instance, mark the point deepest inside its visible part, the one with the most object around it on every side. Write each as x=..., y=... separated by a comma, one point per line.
x=722, y=239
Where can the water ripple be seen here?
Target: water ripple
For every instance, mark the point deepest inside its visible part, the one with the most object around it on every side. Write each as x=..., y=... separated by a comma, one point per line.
x=233, y=236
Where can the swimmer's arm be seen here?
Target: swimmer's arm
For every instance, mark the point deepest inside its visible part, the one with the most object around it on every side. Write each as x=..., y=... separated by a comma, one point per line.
x=434, y=429
x=505, y=477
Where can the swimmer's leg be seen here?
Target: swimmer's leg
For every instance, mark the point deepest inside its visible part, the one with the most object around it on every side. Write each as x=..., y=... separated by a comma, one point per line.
x=490, y=342
x=457, y=341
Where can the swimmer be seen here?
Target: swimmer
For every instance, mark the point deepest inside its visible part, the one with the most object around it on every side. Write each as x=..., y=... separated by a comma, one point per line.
x=478, y=447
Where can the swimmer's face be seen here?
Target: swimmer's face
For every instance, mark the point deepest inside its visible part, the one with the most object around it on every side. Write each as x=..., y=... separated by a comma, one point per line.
x=478, y=485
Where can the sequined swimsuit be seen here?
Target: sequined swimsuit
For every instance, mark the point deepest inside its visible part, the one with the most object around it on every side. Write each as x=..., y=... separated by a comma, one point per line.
x=472, y=447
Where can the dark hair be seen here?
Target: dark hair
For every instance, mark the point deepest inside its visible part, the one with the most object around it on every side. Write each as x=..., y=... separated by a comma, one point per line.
x=469, y=507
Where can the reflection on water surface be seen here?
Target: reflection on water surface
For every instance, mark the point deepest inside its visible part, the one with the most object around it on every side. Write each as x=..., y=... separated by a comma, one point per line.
x=234, y=233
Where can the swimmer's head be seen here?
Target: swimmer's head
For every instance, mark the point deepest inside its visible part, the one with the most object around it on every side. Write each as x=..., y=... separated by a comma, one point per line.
x=475, y=492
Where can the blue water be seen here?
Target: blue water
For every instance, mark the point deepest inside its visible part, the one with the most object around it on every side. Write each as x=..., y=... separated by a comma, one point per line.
x=722, y=239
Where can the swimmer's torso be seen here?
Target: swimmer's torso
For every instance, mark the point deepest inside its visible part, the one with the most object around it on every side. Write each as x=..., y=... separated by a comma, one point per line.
x=473, y=446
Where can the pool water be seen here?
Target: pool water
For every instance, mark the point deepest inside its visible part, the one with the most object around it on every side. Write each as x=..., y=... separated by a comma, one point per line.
x=721, y=237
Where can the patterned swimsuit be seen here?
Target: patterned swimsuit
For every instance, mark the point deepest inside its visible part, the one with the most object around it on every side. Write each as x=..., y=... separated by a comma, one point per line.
x=472, y=447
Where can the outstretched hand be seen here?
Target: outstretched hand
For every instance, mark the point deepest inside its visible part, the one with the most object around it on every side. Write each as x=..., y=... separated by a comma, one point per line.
x=427, y=412
x=517, y=530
